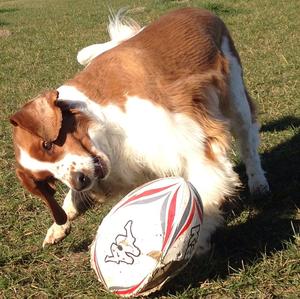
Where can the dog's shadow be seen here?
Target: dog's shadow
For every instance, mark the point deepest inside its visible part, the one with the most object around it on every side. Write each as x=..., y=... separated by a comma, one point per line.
x=267, y=222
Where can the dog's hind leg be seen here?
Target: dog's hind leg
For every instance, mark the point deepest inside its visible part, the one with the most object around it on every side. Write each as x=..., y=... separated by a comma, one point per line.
x=243, y=122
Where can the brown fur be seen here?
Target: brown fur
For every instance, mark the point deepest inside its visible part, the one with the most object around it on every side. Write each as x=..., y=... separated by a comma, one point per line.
x=40, y=116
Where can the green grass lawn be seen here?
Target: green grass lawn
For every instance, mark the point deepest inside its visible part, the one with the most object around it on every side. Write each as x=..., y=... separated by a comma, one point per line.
x=257, y=254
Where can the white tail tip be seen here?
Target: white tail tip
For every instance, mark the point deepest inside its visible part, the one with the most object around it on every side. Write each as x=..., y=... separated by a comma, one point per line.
x=120, y=28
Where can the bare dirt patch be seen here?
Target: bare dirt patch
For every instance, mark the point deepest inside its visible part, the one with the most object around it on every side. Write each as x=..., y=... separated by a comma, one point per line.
x=4, y=33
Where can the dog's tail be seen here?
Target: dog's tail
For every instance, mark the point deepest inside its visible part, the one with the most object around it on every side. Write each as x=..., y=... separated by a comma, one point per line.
x=120, y=28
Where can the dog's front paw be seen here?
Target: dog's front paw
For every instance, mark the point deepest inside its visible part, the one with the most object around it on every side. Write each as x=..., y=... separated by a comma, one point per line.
x=56, y=233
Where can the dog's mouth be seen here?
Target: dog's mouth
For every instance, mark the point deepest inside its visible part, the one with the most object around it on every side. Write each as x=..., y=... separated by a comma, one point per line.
x=101, y=168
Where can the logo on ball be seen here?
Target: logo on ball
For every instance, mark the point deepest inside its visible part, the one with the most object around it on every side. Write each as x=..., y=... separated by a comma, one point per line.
x=123, y=250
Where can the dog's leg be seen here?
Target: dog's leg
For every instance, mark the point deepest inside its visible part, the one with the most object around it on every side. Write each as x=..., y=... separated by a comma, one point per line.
x=212, y=217
x=58, y=232
x=211, y=221
x=247, y=135
x=214, y=183
x=244, y=125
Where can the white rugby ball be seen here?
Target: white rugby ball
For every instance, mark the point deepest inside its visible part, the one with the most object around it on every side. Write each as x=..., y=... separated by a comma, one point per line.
x=148, y=237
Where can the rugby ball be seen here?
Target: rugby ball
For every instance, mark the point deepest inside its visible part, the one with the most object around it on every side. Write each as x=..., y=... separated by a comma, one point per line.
x=148, y=237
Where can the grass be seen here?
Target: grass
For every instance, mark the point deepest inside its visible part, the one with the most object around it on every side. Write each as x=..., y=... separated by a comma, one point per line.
x=257, y=254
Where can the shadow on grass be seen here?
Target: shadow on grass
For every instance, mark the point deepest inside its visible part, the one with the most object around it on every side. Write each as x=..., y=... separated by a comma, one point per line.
x=268, y=225
x=6, y=10
x=221, y=10
x=82, y=246
x=282, y=124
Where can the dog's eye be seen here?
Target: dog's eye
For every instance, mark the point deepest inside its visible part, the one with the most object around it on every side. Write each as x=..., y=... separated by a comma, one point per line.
x=47, y=145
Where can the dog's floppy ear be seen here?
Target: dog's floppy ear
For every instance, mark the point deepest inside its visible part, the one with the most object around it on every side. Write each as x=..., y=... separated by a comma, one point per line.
x=46, y=192
x=40, y=116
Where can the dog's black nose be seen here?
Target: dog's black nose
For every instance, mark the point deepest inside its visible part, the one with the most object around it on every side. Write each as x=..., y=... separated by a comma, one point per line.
x=81, y=181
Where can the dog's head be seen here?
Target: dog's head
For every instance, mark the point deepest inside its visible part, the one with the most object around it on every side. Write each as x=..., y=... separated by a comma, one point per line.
x=51, y=142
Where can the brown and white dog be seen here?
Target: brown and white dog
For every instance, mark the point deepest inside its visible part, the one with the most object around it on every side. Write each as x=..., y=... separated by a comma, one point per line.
x=153, y=102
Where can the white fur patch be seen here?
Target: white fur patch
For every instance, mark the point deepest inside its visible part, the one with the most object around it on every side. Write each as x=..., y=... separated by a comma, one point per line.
x=160, y=139
x=69, y=207
x=237, y=88
x=87, y=54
